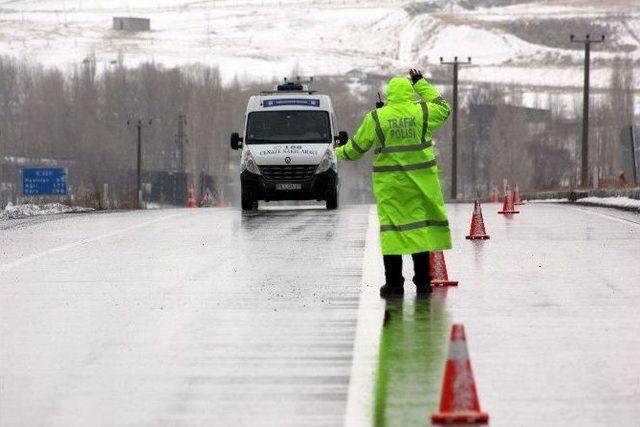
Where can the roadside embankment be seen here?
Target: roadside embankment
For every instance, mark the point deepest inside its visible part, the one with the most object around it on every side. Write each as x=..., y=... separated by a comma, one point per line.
x=618, y=198
x=30, y=209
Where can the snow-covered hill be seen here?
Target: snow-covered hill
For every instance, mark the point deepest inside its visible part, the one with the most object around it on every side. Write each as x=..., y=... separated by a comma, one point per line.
x=511, y=41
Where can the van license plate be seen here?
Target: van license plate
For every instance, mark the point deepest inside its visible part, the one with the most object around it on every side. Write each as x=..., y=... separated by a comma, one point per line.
x=288, y=186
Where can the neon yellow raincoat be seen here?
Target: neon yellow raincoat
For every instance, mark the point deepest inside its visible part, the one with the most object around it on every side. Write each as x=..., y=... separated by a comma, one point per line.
x=411, y=209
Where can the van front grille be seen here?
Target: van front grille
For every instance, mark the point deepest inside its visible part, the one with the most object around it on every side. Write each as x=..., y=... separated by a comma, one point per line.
x=288, y=172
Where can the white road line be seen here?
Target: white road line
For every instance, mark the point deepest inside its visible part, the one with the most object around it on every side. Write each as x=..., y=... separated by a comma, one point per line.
x=371, y=308
x=29, y=258
x=608, y=216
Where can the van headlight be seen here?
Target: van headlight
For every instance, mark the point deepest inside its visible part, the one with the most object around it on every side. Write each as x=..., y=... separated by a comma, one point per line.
x=249, y=163
x=327, y=162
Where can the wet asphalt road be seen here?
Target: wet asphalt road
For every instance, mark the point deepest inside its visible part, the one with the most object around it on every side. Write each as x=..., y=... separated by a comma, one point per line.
x=203, y=317
x=210, y=317
x=550, y=305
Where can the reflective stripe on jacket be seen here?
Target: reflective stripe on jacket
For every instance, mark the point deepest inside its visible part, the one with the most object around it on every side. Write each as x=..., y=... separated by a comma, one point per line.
x=411, y=208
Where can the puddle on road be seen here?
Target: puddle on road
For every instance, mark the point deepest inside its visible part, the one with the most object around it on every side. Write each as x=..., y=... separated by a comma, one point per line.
x=413, y=348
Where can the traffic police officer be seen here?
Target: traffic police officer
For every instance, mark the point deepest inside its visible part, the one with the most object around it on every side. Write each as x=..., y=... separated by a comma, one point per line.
x=411, y=210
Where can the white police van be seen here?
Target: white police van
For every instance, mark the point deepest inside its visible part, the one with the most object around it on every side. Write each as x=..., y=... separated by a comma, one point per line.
x=287, y=147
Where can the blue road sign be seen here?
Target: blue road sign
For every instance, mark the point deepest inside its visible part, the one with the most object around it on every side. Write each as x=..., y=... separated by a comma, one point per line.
x=44, y=181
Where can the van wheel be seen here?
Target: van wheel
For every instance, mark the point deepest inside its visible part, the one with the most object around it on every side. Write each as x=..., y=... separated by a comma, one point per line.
x=332, y=199
x=247, y=201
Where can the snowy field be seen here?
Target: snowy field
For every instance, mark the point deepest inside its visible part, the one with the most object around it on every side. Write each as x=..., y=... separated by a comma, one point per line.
x=261, y=39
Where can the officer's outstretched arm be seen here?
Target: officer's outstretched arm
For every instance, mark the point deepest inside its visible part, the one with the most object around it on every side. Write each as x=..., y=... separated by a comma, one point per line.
x=439, y=108
x=359, y=143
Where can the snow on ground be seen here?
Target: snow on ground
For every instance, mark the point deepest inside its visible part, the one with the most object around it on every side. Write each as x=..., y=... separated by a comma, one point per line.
x=614, y=202
x=548, y=201
x=262, y=39
x=12, y=211
x=437, y=36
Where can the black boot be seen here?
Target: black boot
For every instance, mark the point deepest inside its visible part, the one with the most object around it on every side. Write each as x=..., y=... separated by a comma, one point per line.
x=391, y=291
x=394, y=285
x=423, y=289
x=421, y=273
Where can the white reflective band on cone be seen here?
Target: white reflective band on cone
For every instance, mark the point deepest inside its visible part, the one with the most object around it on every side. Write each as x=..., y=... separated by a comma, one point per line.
x=458, y=351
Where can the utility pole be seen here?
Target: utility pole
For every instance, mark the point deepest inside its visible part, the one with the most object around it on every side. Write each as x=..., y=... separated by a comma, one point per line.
x=139, y=124
x=1, y=171
x=454, y=133
x=181, y=140
x=584, y=175
x=633, y=154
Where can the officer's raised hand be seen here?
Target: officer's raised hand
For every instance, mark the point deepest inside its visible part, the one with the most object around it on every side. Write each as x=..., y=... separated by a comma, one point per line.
x=415, y=75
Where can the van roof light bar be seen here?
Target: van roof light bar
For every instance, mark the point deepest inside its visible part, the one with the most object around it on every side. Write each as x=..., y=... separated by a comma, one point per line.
x=299, y=79
x=290, y=87
x=298, y=84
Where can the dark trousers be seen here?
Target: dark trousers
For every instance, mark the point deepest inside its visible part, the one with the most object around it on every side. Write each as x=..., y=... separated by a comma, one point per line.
x=393, y=269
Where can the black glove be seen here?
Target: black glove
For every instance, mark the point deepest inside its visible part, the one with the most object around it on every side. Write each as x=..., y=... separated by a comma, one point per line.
x=379, y=103
x=415, y=75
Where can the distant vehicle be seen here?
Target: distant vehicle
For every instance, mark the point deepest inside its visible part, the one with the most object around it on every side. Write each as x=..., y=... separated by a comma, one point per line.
x=287, y=147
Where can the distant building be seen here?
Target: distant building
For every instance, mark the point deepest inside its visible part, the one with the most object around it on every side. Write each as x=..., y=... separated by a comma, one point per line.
x=131, y=24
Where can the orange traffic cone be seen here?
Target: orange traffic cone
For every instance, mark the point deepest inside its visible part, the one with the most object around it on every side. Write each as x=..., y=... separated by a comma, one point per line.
x=459, y=402
x=477, y=231
x=516, y=196
x=494, y=195
x=438, y=270
x=191, y=201
x=507, y=206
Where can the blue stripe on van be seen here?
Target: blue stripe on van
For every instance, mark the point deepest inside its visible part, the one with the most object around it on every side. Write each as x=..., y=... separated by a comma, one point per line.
x=291, y=101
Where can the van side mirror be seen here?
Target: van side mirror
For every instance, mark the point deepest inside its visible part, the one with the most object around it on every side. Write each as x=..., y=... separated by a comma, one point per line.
x=342, y=138
x=236, y=141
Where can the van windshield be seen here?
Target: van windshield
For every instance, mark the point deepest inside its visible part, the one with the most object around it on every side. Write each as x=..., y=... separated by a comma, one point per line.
x=269, y=127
